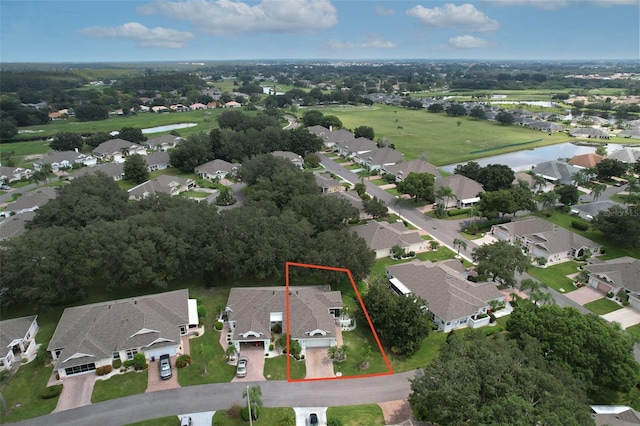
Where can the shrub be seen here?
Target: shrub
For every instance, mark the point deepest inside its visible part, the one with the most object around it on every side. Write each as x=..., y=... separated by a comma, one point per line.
x=492, y=318
x=183, y=361
x=234, y=412
x=104, y=370
x=490, y=331
x=116, y=363
x=139, y=361
x=610, y=295
x=581, y=226
x=277, y=328
x=271, y=347
x=219, y=325
x=202, y=311
x=245, y=413
x=602, y=250
x=128, y=363
x=51, y=392
x=458, y=212
x=625, y=303
x=301, y=356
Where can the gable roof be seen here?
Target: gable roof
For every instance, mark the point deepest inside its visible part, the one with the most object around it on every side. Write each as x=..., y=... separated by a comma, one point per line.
x=13, y=329
x=110, y=169
x=156, y=158
x=461, y=186
x=112, y=145
x=382, y=156
x=318, y=130
x=595, y=207
x=216, y=166
x=97, y=330
x=615, y=415
x=586, y=160
x=339, y=136
x=525, y=177
x=626, y=155
x=622, y=272
x=589, y=132
x=164, y=139
x=384, y=235
x=163, y=183
x=558, y=171
x=250, y=308
x=325, y=181
x=403, y=168
x=33, y=199
x=449, y=296
x=357, y=145
x=291, y=156
x=58, y=157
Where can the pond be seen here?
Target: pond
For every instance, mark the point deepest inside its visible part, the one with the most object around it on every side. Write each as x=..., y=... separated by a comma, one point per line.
x=524, y=160
x=168, y=127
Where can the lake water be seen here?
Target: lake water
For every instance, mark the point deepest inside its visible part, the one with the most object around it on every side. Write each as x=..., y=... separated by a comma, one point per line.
x=524, y=160
x=168, y=127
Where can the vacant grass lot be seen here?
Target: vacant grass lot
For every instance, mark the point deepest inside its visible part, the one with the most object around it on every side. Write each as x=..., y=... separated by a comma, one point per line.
x=556, y=276
x=268, y=416
x=357, y=415
x=276, y=368
x=356, y=341
x=439, y=135
x=22, y=394
x=602, y=306
x=120, y=385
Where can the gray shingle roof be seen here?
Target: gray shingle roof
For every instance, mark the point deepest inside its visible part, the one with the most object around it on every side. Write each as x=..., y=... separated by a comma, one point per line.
x=99, y=329
x=622, y=272
x=325, y=181
x=596, y=207
x=626, y=155
x=156, y=158
x=163, y=183
x=12, y=329
x=559, y=171
x=382, y=156
x=461, y=186
x=164, y=139
x=383, y=235
x=57, y=157
x=216, y=166
x=35, y=198
x=112, y=170
x=111, y=146
x=403, y=168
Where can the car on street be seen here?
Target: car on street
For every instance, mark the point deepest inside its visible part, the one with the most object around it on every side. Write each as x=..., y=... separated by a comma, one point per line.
x=186, y=421
x=5, y=187
x=313, y=419
x=241, y=369
x=165, y=367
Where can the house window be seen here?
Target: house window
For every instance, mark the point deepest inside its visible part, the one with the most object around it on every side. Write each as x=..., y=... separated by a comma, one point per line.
x=115, y=355
x=131, y=353
x=1, y=363
x=58, y=351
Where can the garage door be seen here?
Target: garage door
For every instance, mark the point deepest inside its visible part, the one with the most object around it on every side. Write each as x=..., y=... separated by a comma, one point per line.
x=80, y=369
x=155, y=353
x=318, y=343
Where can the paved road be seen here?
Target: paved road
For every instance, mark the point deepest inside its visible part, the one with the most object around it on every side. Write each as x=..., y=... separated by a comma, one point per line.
x=221, y=396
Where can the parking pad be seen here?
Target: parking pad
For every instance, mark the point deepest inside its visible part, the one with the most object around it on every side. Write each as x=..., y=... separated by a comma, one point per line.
x=302, y=415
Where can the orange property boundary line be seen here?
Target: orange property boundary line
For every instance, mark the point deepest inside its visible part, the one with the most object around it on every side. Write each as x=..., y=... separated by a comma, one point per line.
x=364, y=309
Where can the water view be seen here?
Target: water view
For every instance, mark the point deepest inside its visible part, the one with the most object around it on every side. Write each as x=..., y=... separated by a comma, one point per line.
x=167, y=128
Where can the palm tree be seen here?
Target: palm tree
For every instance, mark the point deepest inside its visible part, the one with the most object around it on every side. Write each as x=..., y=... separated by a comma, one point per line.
x=457, y=242
x=535, y=291
x=539, y=182
x=597, y=190
x=47, y=170
x=549, y=200
x=254, y=393
x=444, y=193
x=433, y=245
x=230, y=352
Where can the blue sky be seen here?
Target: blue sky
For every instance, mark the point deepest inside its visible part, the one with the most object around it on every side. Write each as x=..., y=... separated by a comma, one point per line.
x=187, y=30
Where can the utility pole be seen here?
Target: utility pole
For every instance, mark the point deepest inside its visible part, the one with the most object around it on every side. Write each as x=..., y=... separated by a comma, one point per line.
x=249, y=406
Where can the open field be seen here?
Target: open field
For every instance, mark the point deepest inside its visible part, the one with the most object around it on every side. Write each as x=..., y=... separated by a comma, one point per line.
x=357, y=415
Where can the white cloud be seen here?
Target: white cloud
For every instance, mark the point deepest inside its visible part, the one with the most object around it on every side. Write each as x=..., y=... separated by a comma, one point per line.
x=383, y=11
x=464, y=17
x=468, y=42
x=227, y=18
x=560, y=4
x=143, y=36
x=370, y=42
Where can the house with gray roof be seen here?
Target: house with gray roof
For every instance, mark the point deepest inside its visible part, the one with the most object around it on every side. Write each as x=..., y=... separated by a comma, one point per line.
x=116, y=149
x=64, y=160
x=453, y=301
x=402, y=169
x=357, y=146
x=629, y=134
x=626, y=155
x=14, y=226
x=354, y=199
x=334, y=138
x=379, y=158
x=616, y=276
x=556, y=172
x=252, y=312
x=171, y=185
x=466, y=192
x=216, y=169
x=545, y=126
x=17, y=340
x=588, y=211
x=163, y=143
x=114, y=170
x=31, y=201
x=381, y=237
x=526, y=177
x=589, y=133
x=295, y=159
x=157, y=161
x=541, y=238
x=13, y=174
x=615, y=415
x=328, y=184
x=91, y=336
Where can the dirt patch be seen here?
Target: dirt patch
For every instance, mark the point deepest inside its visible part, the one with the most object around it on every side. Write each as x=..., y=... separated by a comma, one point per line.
x=396, y=412
x=76, y=392
x=318, y=363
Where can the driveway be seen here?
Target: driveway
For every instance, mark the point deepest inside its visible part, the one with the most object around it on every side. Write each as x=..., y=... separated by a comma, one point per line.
x=76, y=392
x=202, y=418
x=396, y=412
x=584, y=295
x=155, y=383
x=318, y=363
x=625, y=316
x=302, y=415
x=255, y=366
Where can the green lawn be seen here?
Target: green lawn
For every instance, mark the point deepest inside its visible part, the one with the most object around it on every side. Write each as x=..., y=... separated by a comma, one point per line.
x=268, y=416
x=438, y=134
x=357, y=415
x=120, y=385
x=341, y=160
x=21, y=393
x=353, y=167
x=276, y=368
x=425, y=355
x=22, y=149
x=208, y=362
x=379, y=182
x=556, y=276
x=195, y=194
x=393, y=192
x=356, y=341
x=602, y=306
x=634, y=331
x=442, y=253
x=160, y=421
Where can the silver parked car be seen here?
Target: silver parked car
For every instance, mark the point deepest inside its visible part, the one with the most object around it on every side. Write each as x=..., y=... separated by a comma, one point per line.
x=241, y=369
x=165, y=367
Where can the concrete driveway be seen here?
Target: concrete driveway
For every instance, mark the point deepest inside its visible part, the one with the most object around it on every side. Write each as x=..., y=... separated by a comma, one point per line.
x=155, y=383
x=318, y=363
x=199, y=419
x=625, y=316
x=302, y=415
x=76, y=392
x=255, y=366
x=584, y=295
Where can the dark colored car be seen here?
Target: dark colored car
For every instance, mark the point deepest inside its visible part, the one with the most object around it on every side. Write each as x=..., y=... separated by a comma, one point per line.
x=165, y=367
x=313, y=419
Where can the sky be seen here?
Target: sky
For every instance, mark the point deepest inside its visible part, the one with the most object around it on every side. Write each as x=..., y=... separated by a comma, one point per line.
x=220, y=30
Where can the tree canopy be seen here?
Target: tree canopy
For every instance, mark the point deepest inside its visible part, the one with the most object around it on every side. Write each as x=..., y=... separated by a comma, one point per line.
x=500, y=260
x=135, y=169
x=66, y=141
x=418, y=185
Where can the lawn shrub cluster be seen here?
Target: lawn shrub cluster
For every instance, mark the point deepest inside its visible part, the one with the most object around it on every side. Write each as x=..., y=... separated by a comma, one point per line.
x=581, y=226
x=219, y=325
x=483, y=226
x=458, y=212
x=490, y=331
x=104, y=370
x=202, y=312
x=140, y=362
x=245, y=413
x=117, y=363
x=183, y=361
x=51, y=391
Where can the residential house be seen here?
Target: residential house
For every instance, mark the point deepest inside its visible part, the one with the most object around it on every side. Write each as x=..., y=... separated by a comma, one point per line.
x=629, y=134
x=556, y=172
x=160, y=108
x=402, y=169
x=252, y=313
x=217, y=169
x=466, y=192
x=618, y=276
x=232, y=104
x=113, y=170
x=357, y=147
x=117, y=149
x=31, y=201
x=589, y=133
x=379, y=158
x=179, y=108
x=545, y=126
x=334, y=138
x=453, y=301
x=327, y=184
x=295, y=159
x=165, y=184
x=64, y=160
x=588, y=211
x=163, y=143
x=540, y=238
x=157, y=161
x=586, y=160
x=13, y=174
x=17, y=340
x=381, y=237
x=615, y=415
x=319, y=130
x=354, y=199
x=197, y=106
x=526, y=177
x=626, y=155
x=14, y=226
x=92, y=336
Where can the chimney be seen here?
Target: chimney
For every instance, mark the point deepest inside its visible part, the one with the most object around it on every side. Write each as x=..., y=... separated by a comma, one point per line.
x=331, y=128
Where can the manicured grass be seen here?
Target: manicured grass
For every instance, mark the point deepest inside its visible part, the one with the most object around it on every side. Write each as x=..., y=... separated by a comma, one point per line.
x=357, y=415
x=379, y=182
x=120, y=385
x=341, y=160
x=276, y=368
x=268, y=416
x=172, y=171
x=426, y=237
x=22, y=149
x=21, y=393
x=442, y=253
x=195, y=194
x=126, y=185
x=634, y=331
x=426, y=354
x=471, y=236
x=602, y=306
x=353, y=167
x=439, y=134
x=556, y=276
x=208, y=362
x=356, y=341
x=160, y=421
x=393, y=191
